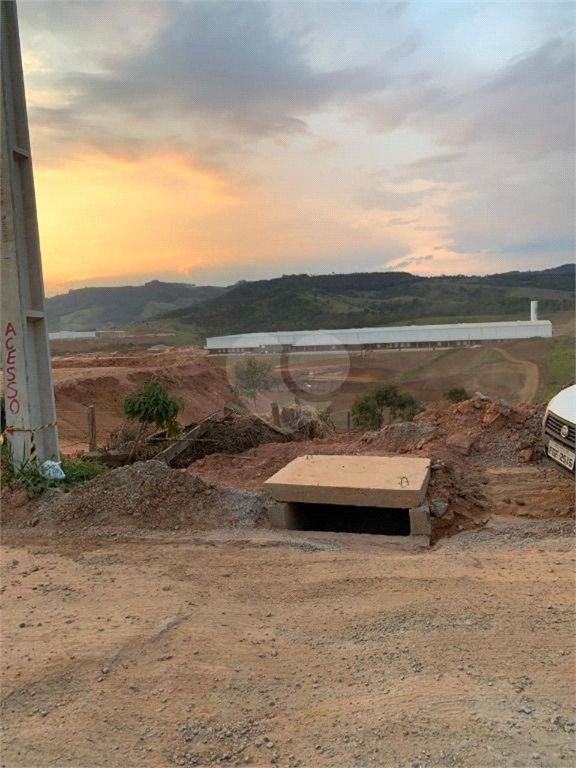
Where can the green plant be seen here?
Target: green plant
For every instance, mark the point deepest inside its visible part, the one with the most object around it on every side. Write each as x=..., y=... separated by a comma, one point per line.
x=27, y=474
x=366, y=413
x=456, y=395
x=368, y=410
x=150, y=403
x=252, y=376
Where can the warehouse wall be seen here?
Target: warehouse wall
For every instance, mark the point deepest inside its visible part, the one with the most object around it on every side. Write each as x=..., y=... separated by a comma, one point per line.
x=389, y=336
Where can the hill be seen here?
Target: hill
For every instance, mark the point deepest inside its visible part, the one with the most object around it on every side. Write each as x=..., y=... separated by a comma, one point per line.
x=305, y=302
x=301, y=302
x=87, y=309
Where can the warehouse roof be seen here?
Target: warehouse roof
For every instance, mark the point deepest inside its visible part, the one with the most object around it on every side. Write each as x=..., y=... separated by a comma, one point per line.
x=541, y=327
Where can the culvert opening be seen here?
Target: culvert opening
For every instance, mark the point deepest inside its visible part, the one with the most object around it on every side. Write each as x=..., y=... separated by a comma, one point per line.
x=339, y=518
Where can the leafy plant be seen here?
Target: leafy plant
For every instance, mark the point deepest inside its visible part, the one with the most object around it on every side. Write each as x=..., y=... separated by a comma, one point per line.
x=150, y=403
x=252, y=376
x=366, y=414
x=27, y=474
x=368, y=410
x=456, y=395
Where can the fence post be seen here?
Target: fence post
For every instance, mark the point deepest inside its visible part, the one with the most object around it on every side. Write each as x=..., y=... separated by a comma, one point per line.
x=275, y=414
x=92, y=428
x=348, y=422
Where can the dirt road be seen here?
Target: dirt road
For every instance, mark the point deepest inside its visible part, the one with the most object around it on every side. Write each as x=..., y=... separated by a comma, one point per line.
x=278, y=648
x=530, y=387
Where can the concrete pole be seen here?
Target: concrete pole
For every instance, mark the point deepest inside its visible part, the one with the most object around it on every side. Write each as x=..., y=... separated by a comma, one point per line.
x=28, y=388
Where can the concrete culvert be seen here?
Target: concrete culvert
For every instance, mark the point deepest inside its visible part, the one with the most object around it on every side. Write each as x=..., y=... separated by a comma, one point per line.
x=379, y=495
x=340, y=518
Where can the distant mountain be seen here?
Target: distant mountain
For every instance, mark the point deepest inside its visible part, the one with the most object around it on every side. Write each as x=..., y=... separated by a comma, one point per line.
x=309, y=302
x=88, y=309
x=302, y=302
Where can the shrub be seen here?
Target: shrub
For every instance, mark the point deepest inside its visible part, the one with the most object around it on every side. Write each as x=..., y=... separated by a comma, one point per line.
x=456, y=395
x=368, y=410
x=27, y=474
x=253, y=376
x=366, y=413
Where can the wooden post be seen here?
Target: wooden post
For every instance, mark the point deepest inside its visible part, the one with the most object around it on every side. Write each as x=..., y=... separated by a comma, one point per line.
x=349, y=421
x=275, y=414
x=92, y=428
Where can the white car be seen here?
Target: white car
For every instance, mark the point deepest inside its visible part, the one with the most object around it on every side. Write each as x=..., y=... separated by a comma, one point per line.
x=558, y=428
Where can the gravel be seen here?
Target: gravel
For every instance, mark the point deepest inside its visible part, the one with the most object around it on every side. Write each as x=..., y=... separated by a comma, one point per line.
x=149, y=494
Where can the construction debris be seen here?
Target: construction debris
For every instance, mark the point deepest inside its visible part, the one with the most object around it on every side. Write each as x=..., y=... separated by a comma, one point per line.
x=230, y=431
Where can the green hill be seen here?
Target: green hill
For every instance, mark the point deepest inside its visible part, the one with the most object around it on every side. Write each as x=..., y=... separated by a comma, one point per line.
x=87, y=309
x=305, y=302
x=308, y=302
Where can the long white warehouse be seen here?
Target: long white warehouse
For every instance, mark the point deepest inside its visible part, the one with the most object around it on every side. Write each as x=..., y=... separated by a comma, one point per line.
x=459, y=334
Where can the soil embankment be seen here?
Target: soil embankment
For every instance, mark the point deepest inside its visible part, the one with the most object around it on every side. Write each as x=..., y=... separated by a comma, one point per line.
x=104, y=380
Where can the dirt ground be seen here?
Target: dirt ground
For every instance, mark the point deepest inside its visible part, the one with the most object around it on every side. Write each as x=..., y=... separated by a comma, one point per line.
x=286, y=648
x=135, y=633
x=516, y=371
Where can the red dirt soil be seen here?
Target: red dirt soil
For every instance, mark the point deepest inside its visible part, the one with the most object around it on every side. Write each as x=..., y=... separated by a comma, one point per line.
x=487, y=460
x=105, y=380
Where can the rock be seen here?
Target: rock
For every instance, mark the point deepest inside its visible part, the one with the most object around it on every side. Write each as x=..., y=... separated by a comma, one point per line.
x=438, y=507
x=525, y=455
x=462, y=441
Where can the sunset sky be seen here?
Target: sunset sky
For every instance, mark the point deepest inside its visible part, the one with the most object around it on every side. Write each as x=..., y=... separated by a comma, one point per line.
x=208, y=142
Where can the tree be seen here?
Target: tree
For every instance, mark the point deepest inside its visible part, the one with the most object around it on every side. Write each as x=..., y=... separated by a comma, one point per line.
x=150, y=403
x=253, y=376
x=456, y=395
x=366, y=413
x=368, y=410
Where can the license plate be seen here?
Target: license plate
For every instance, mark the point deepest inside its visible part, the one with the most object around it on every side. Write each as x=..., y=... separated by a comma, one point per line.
x=560, y=454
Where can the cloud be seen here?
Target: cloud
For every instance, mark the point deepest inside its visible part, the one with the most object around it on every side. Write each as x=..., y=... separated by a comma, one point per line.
x=400, y=264
x=510, y=180
x=526, y=109
x=211, y=69
x=435, y=160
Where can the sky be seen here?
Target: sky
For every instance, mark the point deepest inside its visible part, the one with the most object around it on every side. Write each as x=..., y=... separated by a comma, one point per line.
x=208, y=142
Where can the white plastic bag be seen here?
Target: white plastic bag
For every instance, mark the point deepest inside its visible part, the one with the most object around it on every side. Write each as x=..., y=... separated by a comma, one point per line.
x=52, y=470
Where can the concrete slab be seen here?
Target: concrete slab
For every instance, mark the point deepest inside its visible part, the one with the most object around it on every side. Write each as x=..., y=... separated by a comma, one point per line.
x=375, y=481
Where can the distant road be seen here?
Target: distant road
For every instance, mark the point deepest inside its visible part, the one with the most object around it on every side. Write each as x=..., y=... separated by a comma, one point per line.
x=70, y=335
x=532, y=382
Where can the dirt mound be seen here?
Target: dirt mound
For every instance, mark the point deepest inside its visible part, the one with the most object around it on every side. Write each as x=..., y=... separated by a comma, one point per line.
x=189, y=375
x=489, y=432
x=231, y=434
x=151, y=495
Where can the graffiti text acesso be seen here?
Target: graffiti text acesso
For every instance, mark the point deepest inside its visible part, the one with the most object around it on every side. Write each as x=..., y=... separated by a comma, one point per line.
x=11, y=391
